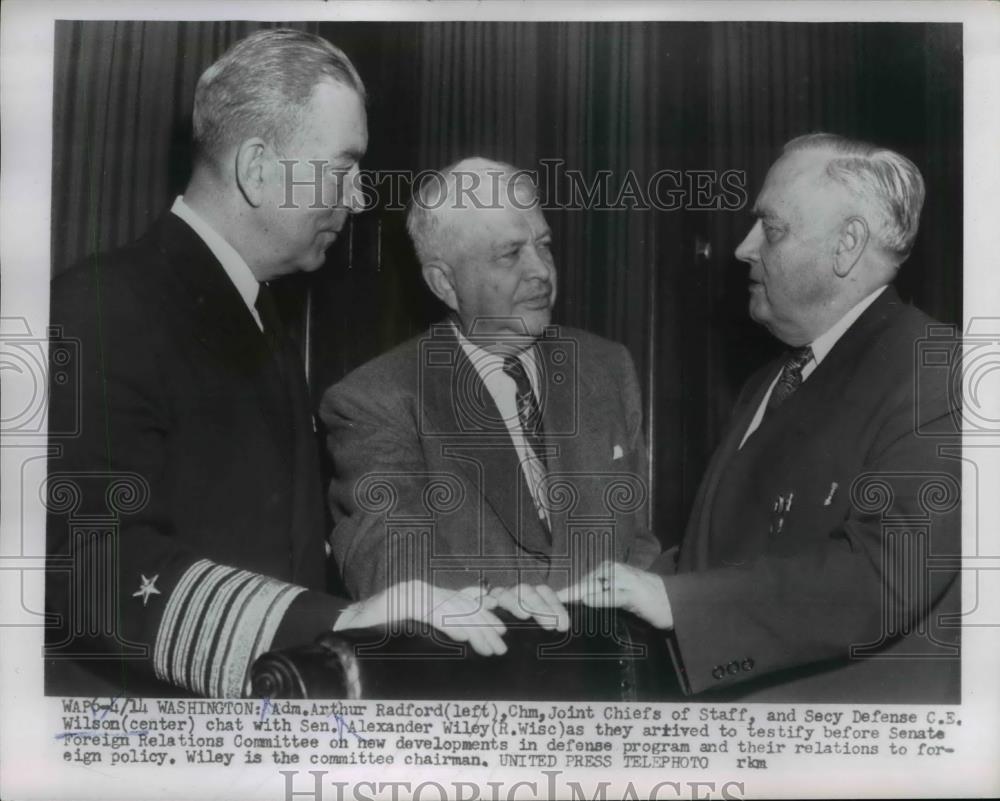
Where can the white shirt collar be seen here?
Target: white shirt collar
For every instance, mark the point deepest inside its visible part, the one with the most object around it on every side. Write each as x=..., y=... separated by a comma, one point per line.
x=821, y=346
x=489, y=365
x=824, y=343
x=232, y=262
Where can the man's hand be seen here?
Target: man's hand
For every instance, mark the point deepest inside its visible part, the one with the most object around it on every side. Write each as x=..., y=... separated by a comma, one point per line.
x=615, y=585
x=454, y=612
x=525, y=601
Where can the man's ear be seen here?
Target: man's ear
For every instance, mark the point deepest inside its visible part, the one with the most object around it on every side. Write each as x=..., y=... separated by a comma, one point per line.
x=440, y=277
x=251, y=170
x=853, y=240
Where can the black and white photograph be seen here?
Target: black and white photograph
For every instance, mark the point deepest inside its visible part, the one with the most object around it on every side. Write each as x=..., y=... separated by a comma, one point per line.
x=499, y=400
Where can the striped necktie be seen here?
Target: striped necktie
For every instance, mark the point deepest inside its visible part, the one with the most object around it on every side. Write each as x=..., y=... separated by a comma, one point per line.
x=530, y=417
x=790, y=378
x=528, y=412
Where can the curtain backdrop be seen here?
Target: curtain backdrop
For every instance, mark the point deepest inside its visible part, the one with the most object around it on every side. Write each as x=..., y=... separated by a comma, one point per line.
x=626, y=98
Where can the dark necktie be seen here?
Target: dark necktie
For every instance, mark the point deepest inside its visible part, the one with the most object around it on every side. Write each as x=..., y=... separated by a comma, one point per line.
x=267, y=310
x=791, y=376
x=287, y=382
x=528, y=412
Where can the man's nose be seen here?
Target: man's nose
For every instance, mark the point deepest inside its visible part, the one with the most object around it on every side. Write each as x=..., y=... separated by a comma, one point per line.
x=538, y=266
x=352, y=196
x=747, y=249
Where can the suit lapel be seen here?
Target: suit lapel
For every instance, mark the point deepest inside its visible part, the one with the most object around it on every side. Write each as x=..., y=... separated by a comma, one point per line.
x=473, y=436
x=795, y=418
x=564, y=390
x=697, y=540
x=223, y=324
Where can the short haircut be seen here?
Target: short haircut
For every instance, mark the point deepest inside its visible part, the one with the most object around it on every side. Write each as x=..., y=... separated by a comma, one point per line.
x=474, y=181
x=891, y=183
x=262, y=86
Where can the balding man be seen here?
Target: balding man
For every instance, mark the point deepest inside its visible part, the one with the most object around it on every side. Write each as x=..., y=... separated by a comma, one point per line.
x=495, y=449
x=807, y=571
x=195, y=449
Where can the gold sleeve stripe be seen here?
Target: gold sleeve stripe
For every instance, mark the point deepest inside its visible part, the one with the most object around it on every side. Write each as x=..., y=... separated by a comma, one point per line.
x=190, y=621
x=220, y=606
x=217, y=621
x=171, y=614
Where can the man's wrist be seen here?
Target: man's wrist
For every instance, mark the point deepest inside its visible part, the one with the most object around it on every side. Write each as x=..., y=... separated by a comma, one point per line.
x=345, y=620
x=660, y=613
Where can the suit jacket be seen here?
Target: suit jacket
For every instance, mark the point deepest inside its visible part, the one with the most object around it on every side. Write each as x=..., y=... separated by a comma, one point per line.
x=186, y=510
x=427, y=481
x=820, y=560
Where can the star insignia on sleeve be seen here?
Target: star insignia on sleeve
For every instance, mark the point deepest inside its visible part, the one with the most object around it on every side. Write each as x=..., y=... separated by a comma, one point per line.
x=148, y=588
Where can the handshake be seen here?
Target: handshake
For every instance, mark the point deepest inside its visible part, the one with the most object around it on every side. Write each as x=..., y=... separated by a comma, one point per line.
x=468, y=615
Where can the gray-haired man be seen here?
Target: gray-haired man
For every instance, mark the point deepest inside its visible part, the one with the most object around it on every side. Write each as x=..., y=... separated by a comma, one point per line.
x=494, y=449
x=194, y=401
x=819, y=562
